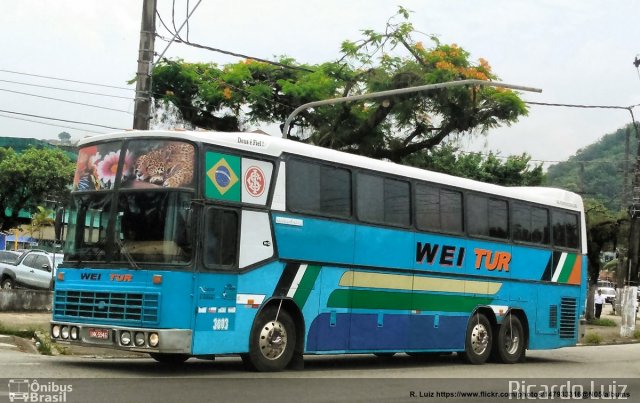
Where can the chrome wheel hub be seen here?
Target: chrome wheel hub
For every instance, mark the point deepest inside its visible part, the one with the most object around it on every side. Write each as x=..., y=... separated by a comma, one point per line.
x=511, y=341
x=479, y=339
x=273, y=340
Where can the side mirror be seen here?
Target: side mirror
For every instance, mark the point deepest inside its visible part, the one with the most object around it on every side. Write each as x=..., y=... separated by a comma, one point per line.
x=46, y=267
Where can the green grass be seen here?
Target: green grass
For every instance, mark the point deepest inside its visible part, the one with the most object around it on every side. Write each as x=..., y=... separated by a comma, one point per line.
x=592, y=338
x=636, y=334
x=602, y=322
x=43, y=342
x=41, y=337
x=12, y=331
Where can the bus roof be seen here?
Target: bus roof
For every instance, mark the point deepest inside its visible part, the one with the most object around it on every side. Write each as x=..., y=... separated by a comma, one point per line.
x=276, y=146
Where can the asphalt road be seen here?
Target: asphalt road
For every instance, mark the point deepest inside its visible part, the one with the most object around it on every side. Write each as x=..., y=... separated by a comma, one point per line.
x=325, y=378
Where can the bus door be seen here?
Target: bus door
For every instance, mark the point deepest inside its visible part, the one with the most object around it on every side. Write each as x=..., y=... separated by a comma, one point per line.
x=217, y=281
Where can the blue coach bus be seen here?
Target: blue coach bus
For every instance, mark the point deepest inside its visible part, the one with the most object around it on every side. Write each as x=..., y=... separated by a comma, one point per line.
x=196, y=244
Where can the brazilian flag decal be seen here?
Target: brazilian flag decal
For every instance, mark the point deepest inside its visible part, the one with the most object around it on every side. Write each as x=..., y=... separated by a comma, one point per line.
x=222, y=180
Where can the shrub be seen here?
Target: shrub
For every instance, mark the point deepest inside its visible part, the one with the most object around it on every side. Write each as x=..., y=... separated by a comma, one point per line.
x=12, y=331
x=602, y=322
x=592, y=338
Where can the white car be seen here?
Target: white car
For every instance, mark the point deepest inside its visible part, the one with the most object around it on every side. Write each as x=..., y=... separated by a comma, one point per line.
x=33, y=269
x=608, y=293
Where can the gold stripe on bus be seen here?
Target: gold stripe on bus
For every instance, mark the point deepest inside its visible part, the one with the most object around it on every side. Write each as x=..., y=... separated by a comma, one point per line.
x=408, y=283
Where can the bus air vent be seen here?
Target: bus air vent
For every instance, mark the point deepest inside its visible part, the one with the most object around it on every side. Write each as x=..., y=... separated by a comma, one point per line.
x=553, y=317
x=568, y=326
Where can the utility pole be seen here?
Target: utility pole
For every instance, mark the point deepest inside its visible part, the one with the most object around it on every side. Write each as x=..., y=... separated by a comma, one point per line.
x=634, y=231
x=625, y=172
x=628, y=294
x=581, y=178
x=142, y=106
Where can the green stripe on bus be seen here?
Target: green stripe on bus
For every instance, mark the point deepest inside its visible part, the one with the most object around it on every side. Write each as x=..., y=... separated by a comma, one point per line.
x=364, y=299
x=306, y=285
x=566, y=268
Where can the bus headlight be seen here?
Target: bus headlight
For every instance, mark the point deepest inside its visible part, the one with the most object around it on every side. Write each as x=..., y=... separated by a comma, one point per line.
x=139, y=339
x=74, y=333
x=125, y=338
x=64, y=332
x=154, y=339
x=55, y=331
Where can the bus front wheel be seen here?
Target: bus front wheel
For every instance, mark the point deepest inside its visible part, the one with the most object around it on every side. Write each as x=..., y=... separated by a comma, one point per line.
x=510, y=341
x=478, y=340
x=272, y=341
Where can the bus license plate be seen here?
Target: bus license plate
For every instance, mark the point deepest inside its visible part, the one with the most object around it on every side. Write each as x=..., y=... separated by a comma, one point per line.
x=102, y=334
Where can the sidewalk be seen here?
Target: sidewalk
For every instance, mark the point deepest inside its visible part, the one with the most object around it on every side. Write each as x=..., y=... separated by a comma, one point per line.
x=17, y=321
x=611, y=334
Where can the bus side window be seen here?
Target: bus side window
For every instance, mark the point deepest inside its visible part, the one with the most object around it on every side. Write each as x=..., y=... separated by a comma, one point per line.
x=487, y=217
x=530, y=223
x=565, y=229
x=221, y=238
x=383, y=200
x=438, y=209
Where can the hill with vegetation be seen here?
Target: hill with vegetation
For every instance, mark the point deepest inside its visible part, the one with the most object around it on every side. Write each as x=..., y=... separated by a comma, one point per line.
x=597, y=171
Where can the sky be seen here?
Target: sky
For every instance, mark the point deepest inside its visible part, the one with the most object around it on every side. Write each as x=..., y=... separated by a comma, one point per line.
x=576, y=51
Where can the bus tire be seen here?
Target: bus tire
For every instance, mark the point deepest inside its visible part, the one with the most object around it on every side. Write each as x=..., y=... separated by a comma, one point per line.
x=510, y=341
x=170, y=359
x=478, y=340
x=272, y=342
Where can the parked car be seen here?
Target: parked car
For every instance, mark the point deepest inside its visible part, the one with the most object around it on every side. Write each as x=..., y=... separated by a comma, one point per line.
x=9, y=256
x=33, y=269
x=609, y=294
x=605, y=283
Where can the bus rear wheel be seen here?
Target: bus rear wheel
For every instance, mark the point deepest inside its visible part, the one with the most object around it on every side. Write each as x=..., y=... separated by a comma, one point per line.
x=272, y=341
x=478, y=340
x=509, y=347
x=170, y=359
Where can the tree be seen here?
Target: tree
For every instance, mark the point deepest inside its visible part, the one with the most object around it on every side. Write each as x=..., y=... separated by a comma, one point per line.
x=603, y=228
x=41, y=218
x=27, y=179
x=229, y=97
x=515, y=170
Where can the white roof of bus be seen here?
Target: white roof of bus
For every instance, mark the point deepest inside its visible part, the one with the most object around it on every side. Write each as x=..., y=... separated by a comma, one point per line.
x=275, y=146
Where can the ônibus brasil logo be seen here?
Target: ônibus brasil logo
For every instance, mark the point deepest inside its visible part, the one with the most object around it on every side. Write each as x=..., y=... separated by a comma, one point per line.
x=254, y=181
x=25, y=390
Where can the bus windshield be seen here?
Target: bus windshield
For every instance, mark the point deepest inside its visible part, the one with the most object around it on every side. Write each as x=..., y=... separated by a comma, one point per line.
x=139, y=227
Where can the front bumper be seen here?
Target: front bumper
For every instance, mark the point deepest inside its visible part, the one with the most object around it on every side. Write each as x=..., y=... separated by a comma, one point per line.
x=170, y=341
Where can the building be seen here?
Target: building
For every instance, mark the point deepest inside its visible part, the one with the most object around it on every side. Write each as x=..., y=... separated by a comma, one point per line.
x=46, y=235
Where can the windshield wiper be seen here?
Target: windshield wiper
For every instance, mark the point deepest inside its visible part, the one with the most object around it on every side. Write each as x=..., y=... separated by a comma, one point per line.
x=126, y=254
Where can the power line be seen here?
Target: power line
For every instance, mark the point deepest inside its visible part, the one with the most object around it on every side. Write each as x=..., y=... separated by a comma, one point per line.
x=67, y=80
x=50, y=124
x=226, y=52
x=580, y=106
x=64, y=100
x=61, y=120
x=617, y=161
x=65, y=89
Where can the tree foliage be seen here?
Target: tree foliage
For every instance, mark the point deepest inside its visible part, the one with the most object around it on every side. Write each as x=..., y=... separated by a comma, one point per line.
x=41, y=218
x=515, y=170
x=603, y=230
x=231, y=96
x=27, y=179
x=597, y=170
